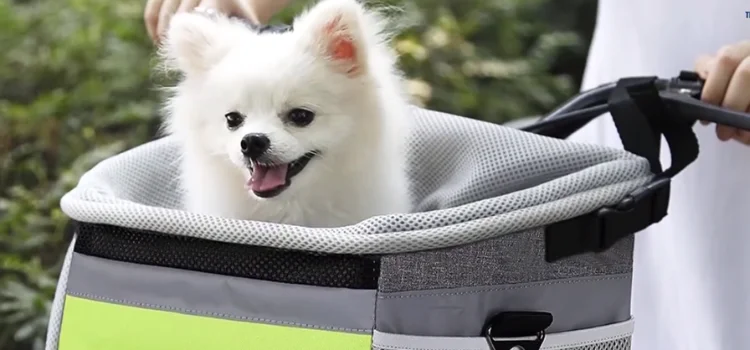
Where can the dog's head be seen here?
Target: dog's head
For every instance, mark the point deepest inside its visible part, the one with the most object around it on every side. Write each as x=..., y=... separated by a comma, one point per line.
x=275, y=104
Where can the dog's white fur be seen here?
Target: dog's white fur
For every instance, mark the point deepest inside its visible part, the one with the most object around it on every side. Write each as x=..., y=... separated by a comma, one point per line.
x=360, y=125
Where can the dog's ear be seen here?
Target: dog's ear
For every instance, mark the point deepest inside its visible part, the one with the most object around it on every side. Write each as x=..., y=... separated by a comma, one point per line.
x=195, y=42
x=336, y=31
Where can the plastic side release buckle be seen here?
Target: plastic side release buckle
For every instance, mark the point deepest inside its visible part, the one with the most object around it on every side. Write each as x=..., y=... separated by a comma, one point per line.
x=600, y=230
x=517, y=330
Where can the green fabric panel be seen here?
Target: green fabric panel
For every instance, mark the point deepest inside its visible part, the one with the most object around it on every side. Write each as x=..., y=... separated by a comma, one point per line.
x=95, y=325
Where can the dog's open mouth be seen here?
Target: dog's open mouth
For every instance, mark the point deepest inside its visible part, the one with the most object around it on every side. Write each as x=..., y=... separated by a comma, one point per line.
x=269, y=180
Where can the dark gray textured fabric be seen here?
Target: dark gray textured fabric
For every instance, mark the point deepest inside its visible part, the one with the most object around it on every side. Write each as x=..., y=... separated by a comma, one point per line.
x=462, y=312
x=511, y=259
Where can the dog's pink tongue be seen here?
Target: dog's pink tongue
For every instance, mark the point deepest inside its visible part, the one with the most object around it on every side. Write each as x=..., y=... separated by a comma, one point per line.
x=268, y=178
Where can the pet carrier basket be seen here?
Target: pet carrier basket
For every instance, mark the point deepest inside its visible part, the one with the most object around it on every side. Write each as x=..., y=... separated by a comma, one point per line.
x=517, y=241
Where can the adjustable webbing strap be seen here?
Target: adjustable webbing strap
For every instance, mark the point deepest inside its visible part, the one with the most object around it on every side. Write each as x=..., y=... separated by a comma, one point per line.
x=635, y=120
x=641, y=120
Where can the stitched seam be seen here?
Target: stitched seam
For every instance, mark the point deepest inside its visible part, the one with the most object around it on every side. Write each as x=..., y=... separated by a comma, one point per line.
x=391, y=347
x=600, y=341
x=374, y=318
x=417, y=294
x=214, y=314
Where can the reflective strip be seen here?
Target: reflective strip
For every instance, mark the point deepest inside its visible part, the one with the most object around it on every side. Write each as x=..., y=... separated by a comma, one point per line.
x=576, y=303
x=55, y=317
x=608, y=335
x=96, y=325
x=226, y=297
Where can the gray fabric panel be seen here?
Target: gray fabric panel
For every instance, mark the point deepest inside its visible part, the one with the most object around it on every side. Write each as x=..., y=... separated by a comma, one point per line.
x=516, y=258
x=471, y=181
x=574, y=303
x=219, y=296
x=55, y=317
x=610, y=337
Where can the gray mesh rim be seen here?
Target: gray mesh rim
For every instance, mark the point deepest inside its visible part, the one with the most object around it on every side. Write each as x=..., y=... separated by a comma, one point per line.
x=93, y=201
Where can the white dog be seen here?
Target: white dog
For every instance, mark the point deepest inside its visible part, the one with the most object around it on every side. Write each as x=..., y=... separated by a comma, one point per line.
x=305, y=127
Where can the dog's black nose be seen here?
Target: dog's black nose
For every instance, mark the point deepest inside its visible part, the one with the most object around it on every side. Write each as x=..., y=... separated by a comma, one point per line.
x=254, y=145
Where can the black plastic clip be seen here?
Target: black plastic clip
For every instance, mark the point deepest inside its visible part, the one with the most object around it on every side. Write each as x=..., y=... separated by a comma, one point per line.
x=518, y=330
x=687, y=83
x=600, y=230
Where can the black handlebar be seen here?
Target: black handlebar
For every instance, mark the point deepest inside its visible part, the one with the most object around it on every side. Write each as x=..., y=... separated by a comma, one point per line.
x=680, y=97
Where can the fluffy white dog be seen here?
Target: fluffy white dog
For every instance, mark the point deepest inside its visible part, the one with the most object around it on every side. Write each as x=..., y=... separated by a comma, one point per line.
x=305, y=127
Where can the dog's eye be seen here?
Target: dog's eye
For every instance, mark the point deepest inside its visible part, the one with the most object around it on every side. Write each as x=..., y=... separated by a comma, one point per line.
x=300, y=117
x=234, y=119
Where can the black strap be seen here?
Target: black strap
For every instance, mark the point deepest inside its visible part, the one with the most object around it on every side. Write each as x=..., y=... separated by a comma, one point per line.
x=641, y=120
x=635, y=121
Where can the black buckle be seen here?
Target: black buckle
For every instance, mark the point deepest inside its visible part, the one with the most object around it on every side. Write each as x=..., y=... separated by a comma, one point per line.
x=687, y=83
x=600, y=230
x=517, y=330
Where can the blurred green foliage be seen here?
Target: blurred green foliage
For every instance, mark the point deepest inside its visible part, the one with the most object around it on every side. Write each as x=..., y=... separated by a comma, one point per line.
x=76, y=87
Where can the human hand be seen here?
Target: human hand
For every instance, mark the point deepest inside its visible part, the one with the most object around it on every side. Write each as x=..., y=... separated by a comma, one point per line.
x=727, y=75
x=158, y=12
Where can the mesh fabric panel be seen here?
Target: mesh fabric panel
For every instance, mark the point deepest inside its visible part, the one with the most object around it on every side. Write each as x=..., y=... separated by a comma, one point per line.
x=619, y=344
x=195, y=254
x=471, y=181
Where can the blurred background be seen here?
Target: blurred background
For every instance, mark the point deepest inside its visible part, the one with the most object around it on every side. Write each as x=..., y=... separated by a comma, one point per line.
x=76, y=87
